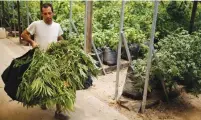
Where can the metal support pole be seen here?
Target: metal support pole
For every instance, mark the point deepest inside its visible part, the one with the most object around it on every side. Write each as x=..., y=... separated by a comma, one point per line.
x=3, y=15
x=74, y=27
x=27, y=6
x=8, y=17
x=14, y=18
x=96, y=52
x=71, y=21
x=126, y=47
x=70, y=27
x=127, y=50
x=19, y=22
x=150, y=55
x=31, y=17
x=21, y=17
x=119, y=51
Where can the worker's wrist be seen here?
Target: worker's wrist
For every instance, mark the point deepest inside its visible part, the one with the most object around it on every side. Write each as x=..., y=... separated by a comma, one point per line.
x=31, y=42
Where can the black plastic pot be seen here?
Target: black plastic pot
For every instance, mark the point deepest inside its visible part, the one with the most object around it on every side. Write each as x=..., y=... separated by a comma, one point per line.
x=109, y=56
x=100, y=54
x=134, y=51
x=131, y=87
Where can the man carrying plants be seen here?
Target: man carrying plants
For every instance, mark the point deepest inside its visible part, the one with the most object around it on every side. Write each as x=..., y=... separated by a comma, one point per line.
x=45, y=31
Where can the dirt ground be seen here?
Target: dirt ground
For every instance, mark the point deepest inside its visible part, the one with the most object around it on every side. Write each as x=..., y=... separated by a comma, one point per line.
x=184, y=107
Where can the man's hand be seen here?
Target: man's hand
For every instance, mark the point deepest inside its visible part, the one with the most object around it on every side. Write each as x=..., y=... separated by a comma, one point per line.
x=59, y=38
x=34, y=44
x=26, y=36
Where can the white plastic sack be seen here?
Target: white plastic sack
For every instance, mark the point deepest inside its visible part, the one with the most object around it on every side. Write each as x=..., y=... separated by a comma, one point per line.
x=2, y=33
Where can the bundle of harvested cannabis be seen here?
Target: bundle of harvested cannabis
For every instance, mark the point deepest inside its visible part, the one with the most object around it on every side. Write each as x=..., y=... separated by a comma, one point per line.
x=53, y=76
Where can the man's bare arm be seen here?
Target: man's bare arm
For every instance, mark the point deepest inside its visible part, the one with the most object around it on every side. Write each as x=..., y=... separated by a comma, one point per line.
x=26, y=36
x=60, y=38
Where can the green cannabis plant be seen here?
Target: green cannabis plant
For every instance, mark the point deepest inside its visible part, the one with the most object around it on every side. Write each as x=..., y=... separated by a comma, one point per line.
x=54, y=76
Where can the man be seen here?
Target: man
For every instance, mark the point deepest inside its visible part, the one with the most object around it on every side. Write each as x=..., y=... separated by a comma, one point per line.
x=45, y=32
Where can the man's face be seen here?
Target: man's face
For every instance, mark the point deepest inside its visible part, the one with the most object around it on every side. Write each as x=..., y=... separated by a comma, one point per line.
x=47, y=15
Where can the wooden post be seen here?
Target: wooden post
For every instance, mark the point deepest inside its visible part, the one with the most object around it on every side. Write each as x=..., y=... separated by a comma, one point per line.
x=150, y=54
x=193, y=14
x=19, y=22
x=89, y=27
x=85, y=26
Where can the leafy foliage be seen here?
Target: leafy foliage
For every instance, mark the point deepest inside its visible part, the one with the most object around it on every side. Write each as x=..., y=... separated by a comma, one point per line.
x=23, y=60
x=62, y=10
x=78, y=63
x=176, y=60
x=173, y=15
x=179, y=56
x=53, y=76
x=140, y=74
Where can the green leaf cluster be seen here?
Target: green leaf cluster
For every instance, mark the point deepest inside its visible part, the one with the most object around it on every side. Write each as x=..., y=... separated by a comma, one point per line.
x=54, y=76
x=176, y=60
x=140, y=75
x=179, y=57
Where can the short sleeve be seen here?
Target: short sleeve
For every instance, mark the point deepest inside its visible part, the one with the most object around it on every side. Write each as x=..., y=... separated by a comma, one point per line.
x=32, y=28
x=60, y=31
